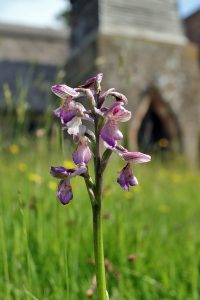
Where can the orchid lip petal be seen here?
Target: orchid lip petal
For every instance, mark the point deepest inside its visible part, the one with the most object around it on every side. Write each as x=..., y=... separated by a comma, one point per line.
x=127, y=178
x=64, y=192
x=118, y=113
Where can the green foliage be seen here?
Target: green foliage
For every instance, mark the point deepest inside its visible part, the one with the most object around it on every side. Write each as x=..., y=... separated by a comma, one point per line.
x=151, y=235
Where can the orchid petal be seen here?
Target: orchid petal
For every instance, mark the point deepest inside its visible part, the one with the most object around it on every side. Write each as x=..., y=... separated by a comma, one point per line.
x=82, y=154
x=118, y=113
x=127, y=178
x=135, y=157
x=110, y=133
x=64, y=91
x=64, y=192
x=60, y=172
x=73, y=126
x=98, y=78
x=119, y=97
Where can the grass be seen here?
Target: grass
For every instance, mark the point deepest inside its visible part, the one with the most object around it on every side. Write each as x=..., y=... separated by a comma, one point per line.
x=151, y=235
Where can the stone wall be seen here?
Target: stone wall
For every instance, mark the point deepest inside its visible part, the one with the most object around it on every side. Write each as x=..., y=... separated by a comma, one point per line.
x=133, y=65
x=34, y=45
x=30, y=59
x=157, y=18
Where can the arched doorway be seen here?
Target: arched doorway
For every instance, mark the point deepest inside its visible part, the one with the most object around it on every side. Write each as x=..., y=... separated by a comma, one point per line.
x=154, y=126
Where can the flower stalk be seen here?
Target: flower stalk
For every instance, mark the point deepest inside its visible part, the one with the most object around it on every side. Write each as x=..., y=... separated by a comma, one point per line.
x=98, y=250
x=105, y=122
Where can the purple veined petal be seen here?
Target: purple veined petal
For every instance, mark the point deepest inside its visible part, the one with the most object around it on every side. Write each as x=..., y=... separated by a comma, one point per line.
x=63, y=91
x=135, y=157
x=67, y=116
x=127, y=178
x=68, y=111
x=64, y=114
x=60, y=172
x=64, y=192
x=118, y=113
x=110, y=133
x=82, y=154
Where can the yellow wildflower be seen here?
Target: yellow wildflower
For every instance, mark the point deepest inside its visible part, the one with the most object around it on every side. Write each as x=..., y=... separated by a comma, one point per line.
x=14, y=149
x=68, y=164
x=35, y=178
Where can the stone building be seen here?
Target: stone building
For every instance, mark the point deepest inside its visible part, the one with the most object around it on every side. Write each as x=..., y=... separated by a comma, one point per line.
x=29, y=61
x=141, y=48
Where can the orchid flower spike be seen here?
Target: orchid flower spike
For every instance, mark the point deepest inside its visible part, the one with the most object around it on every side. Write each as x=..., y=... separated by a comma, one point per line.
x=72, y=115
x=86, y=103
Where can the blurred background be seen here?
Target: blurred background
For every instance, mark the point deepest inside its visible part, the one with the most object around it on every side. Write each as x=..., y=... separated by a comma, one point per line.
x=150, y=51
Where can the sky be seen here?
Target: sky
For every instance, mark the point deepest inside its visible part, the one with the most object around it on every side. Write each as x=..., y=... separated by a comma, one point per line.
x=188, y=7
x=40, y=13
x=43, y=13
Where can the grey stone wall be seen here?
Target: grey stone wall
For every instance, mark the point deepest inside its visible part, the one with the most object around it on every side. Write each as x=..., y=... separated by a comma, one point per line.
x=34, y=45
x=132, y=65
x=30, y=59
x=157, y=18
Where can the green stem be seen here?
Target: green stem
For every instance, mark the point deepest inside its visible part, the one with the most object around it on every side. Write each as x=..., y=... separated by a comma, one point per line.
x=97, y=218
x=99, y=253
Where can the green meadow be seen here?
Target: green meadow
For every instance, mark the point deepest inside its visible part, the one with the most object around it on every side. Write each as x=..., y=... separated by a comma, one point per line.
x=151, y=234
